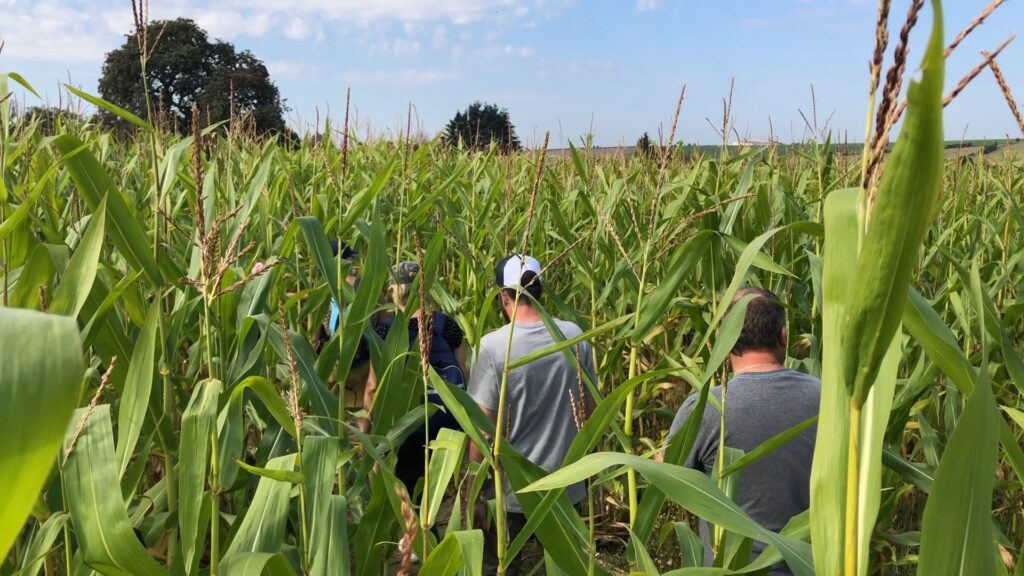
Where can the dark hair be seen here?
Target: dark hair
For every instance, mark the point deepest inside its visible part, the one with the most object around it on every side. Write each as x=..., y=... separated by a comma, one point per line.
x=765, y=319
x=531, y=284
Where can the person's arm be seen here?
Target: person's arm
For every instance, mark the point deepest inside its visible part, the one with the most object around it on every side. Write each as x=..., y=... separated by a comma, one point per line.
x=368, y=393
x=460, y=359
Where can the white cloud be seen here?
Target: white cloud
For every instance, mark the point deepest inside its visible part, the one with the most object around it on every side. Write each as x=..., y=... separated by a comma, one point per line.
x=297, y=29
x=397, y=48
x=228, y=24
x=521, y=51
x=440, y=37
x=401, y=77
x=646, y=5
x=54, y=31
x=293, y=69
x=84, y=30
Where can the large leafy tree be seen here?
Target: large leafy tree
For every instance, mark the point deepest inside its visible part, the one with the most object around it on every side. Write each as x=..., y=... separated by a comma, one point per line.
x=184, y=67
x=480, y=125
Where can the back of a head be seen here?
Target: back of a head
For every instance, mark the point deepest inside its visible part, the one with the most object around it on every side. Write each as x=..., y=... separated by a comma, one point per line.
x=519, y=273
x=763, y=323
x=404, y=274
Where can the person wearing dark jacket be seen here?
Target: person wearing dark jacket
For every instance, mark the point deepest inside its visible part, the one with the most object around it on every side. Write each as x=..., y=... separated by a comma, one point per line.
x=447, y=357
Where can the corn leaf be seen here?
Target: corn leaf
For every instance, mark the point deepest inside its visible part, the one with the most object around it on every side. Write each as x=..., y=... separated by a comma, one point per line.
x=105, y=536
x=901, y=216
x=77, y=279
x=40, y=374
x=137, y=390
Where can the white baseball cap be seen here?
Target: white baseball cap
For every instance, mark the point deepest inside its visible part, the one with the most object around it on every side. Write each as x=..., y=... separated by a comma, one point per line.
x=509, y=272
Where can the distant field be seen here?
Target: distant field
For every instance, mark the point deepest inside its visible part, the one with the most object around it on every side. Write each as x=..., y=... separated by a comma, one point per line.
x=954, y=149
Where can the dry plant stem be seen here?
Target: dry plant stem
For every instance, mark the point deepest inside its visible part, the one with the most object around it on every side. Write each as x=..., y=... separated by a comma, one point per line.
x=970, y=27
x=410, y=531
x=297, y=416
x=615, y=237
x=502, y=419
x=894, y=77
x=878, y=152
x=104, y=381
x=1006, y=91
x=989, y=58
x=635, y=346
x=426, y=334
x=881, y=42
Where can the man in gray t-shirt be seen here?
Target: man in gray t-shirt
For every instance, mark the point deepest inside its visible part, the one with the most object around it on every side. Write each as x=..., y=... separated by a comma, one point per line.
x=763, y=398
x=546, y=401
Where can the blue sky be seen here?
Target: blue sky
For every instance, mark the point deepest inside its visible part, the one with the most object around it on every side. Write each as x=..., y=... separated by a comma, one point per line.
x=613, y=68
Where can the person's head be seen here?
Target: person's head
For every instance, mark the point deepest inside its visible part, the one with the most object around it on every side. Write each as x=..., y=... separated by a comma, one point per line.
x=515, y=273
x=401, y=285
x=764, y=326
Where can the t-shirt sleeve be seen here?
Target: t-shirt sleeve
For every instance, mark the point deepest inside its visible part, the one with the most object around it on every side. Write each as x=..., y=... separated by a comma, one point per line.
x=695, y=458
x=452, y=333
x=483, y=382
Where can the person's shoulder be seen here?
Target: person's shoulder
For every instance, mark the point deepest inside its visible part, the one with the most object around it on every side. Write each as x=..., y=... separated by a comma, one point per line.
x=804, y=378
x=806, y=383
x=569, y=328
x=494, y=339
x=694, y=397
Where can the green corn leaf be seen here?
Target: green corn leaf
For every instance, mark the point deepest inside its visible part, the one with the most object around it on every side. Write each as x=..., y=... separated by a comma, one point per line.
x=901, y=216
x=76, y=282
x=196, y=428
x=828, y=471
x=564, y=534
x=320, y=248
x=652, y=312
x=319, y=463
x=471, y=542
x=957, y=527
x=95, y=184
x=257, y=564
x=446, y=455
x=289, y=476
x=332, y=557
x=639, y=559
x=41, y=544
x=263, y=527
x=689, y=488
x=110, y=107
x=102, y=529
x=445, y=559
x=40, y=376
x=137, y=390
x=768, y=446
x=691, y=549
x=230, y=423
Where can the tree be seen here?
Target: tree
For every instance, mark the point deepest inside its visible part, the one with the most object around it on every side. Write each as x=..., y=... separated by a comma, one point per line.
x=644, y=146
x=480, y=125
x=184, y=68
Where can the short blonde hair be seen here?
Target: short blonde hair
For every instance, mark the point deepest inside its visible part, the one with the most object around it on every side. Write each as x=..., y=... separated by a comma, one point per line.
x=400, y=294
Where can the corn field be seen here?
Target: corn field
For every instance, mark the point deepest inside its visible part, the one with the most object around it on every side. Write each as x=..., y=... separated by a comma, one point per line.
x=163, y=409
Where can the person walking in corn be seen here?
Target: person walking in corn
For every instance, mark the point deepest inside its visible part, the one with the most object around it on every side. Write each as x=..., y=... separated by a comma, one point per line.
x=447, y=357
x=763, y=398
x=545, y=400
